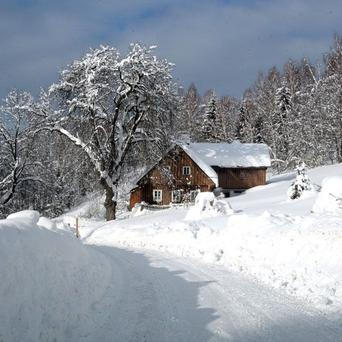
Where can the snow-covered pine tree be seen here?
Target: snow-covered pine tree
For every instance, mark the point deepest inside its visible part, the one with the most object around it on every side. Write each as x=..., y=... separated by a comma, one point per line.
x=301, y=184
x=283, y=99
x=258, y=127
x=283, y=103
x=245, y=124
x=209, y=121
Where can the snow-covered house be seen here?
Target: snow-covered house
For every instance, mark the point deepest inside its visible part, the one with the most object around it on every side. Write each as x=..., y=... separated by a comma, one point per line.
x=192, y=167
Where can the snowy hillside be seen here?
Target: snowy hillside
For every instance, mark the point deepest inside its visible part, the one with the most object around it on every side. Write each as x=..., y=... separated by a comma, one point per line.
x=278, y=241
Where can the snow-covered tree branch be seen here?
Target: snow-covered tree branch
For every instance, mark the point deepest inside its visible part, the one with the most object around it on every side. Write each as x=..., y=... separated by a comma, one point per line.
x=100, y=102
x=16, y=137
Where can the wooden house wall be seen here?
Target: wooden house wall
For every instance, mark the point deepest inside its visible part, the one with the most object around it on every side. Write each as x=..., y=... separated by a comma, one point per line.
x=136, y=197
x=157, y=180
x=241, y=178
x=148, y=193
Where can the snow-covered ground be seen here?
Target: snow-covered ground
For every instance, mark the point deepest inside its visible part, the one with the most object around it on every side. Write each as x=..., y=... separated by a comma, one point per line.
x=159, y=297
x=274, y=239
x=268, y=270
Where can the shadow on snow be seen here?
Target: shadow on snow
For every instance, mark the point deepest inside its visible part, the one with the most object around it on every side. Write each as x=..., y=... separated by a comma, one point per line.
x=146, y=303
x=153, y=304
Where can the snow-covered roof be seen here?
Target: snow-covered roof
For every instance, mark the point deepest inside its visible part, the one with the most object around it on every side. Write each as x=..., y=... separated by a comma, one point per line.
x=206, y=168
x=233, y=155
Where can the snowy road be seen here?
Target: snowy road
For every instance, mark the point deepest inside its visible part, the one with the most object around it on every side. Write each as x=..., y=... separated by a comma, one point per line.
x=159, y=297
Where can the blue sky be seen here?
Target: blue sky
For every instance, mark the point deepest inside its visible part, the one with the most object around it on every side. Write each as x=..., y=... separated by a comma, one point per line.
x=217, y=44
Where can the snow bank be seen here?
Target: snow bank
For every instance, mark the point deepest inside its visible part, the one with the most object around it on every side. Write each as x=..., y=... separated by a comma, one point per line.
x=49, y=281
x=30, y=217
x=48, y=224
x=329, y=200
x=207, y=205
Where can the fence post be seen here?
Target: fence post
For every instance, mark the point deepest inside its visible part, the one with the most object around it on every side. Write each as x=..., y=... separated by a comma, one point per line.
x=77, y=229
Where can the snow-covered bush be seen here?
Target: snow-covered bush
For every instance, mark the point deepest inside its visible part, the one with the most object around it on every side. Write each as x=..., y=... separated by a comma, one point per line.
x=329, y=200
x=138, y=209
x=207, y=205
x=93, y=207
x=218, y=193
x=301, y=184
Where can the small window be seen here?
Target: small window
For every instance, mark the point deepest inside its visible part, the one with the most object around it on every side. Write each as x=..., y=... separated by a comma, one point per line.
x=186, y=170
x=176, y=196
x=243, y=174
x=157, y=195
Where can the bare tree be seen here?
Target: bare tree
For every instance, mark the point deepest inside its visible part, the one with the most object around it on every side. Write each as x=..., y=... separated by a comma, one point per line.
x=16, y=137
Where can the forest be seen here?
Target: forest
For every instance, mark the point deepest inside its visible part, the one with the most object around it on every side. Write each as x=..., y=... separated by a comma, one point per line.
x=110, y=116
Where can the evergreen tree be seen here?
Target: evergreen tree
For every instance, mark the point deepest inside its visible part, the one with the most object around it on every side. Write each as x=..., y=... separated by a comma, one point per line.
x=301, y=184
x=245, y=125
x=283, y=100
x=241, y=127
x=209, y=122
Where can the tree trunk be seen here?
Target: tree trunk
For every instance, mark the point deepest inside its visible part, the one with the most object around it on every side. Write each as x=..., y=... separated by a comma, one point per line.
x=339, y=151
x=109, y=203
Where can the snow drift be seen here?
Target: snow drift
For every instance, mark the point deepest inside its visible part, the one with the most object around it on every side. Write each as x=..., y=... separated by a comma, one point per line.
x=49, y=280
x=329, y=200
x=207, y=205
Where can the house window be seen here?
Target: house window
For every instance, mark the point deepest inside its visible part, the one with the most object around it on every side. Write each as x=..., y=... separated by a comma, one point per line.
x=157, y=195
x=186, y=170
x=176, y=196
